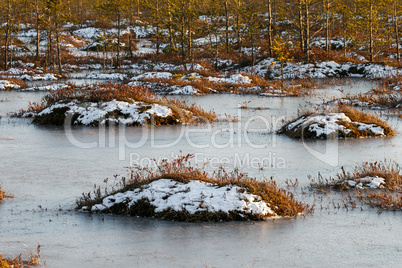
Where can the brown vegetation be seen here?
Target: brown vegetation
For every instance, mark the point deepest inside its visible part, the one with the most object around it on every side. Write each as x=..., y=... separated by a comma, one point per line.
x=389, y=170
x=4, y=195
x=191, y=114
x=18, y=262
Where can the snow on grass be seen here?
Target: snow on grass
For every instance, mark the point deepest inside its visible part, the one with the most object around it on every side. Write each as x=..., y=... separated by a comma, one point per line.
x=88, y=33
x=163, y=88
x=192, y=197
x=292, y=70
x=275, y=93
x=14, y=71
x=233, y=79
x=152, y=75
x=184, y=90
x=91, y=113
x=367, y=182
x=191, y=77
x=46, y=88
x=367, y=175
x=36, y=77
x=7, y=85
x=331, y=125
x=112, y=76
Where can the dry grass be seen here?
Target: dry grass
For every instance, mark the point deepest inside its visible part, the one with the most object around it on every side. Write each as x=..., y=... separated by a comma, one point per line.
x=187, y=114
x=18, y=262
x=383, y=201
x=180, y=169
x=17, y=81
x=4, y=195
x=364, y=117
x=389, y=170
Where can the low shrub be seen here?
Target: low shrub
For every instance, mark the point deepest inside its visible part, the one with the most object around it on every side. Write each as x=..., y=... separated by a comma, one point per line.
x=388, y=170
x=18, y=262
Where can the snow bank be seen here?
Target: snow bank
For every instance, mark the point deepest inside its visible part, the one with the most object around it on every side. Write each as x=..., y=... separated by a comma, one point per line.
x=164, y=88
x=36, y=77
x=88, y=33
x=94, y=113
x=152, y=75
x=331, y=125
x=367, y=182
x=185, y=90
x=46, y=88
x=192, y=197
x=112, y=76
x=233, y=79
x=272, y=69
x=7, y=85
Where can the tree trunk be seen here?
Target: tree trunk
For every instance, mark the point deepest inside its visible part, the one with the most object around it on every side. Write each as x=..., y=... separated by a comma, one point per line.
x=171, y=32
x=301, y=25
x=398, y=55
x=118, y=41
x=58, y=49
x=227, y=26
x=130, y=48
x=371, y=31
x=270, y=27
x=37, y=28
x=7, y=35
x=49, y=47
x=307, y=31
x=327, y=7
x=157, y=28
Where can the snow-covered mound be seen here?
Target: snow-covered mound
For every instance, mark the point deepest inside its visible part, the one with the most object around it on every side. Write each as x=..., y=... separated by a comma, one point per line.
x=92, y=114
x=366, y=183
x=194, y=197
x=272, y=69
x=7, y=85
x=233, y=79
x=184, y=90
x=88, y=33
x=36, y=77
x=332, y=125
x=112, y=76
x=191, y=76
x=163, y=88
x=46, y=88
x=152, y=75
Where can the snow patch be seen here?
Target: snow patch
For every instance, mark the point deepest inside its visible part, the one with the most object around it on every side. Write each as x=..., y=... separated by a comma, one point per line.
x=7, y=85
x=192, y=197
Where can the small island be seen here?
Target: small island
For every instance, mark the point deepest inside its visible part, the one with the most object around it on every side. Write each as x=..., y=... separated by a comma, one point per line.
x=347, y=122
x=106, y=104
x=177, y=191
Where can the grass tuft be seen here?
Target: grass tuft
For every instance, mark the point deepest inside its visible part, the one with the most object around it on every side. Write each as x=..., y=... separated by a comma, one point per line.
x=389, y=170
x=18, y=262
x=4, y=195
